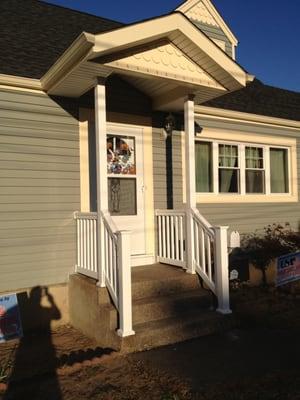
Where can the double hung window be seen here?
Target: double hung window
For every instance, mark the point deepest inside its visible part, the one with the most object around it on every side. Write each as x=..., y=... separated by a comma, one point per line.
x=239, y=168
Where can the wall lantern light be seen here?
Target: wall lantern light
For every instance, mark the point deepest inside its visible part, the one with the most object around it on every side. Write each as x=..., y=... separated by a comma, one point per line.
x=169, y=124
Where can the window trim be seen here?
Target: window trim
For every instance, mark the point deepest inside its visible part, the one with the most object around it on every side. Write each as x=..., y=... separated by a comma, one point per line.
x=242, y=196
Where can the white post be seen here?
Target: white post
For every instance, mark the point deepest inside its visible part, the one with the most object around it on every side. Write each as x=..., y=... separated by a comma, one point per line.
x=124, y=272
x=221, y=269
x=189, y=127
x=101, y=169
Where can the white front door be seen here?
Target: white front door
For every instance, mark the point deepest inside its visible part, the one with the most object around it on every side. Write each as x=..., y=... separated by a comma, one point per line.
x=125, y=162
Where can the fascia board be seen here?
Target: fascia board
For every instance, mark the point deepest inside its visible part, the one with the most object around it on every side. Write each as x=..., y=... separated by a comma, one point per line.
x=239, y=116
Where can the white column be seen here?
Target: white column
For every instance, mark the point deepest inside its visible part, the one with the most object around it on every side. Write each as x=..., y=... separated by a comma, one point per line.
x=221, y=269
x=124, y=273
x=101, y=162
x=189, y=127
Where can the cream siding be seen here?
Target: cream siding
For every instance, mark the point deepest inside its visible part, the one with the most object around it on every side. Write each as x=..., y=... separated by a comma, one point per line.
x=39, y=189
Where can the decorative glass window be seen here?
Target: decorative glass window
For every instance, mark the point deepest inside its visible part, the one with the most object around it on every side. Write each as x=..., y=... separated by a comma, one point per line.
x=279, y=170
x=238, y=168
x=255, y=174
x=120, y=155
x=121, y=170
x=228, y=169
x=203, y=156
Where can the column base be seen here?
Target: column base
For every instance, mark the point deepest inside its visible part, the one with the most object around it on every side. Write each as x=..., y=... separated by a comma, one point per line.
x=122, y=333
x=224, y=311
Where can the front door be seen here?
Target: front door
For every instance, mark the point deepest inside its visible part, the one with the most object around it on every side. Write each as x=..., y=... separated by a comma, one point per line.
x=126, y=183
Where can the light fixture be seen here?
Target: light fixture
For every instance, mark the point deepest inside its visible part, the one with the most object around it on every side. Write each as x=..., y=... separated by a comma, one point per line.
x=169, y=124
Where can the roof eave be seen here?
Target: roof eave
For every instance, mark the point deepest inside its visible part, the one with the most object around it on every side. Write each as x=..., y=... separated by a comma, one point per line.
x=223, y=113
x=75, y=53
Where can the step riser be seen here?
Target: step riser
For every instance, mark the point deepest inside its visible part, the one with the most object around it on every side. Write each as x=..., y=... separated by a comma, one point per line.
x=146, y=289
x=169, y=307
x=175, y=334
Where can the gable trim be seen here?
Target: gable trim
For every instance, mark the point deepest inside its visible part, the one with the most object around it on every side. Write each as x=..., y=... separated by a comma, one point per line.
x=214, y=12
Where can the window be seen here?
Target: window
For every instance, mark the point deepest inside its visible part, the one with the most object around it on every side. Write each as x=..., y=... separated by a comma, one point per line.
x=279, y=170
x=203, y=155
x=228, y=169
x=243, y=169
x=255, y=174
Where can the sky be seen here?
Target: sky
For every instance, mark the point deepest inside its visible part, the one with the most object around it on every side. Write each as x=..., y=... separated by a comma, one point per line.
x=268, y=31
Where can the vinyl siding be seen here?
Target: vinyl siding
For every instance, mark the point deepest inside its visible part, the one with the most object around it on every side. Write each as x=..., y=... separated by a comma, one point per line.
x=244, y=217
x=214, y=32
x=39, y=189
x=160, y=181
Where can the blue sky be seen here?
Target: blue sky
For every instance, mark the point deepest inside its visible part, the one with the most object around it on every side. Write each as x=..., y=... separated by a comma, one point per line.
x=268, y=31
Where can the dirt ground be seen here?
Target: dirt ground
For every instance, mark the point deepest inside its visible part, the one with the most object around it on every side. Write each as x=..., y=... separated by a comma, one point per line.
x=258, y=360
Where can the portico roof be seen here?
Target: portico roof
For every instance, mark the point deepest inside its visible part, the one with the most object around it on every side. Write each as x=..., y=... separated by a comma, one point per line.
x=166, y=57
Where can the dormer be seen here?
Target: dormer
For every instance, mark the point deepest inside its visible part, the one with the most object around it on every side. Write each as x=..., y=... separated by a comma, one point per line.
x=204, y=15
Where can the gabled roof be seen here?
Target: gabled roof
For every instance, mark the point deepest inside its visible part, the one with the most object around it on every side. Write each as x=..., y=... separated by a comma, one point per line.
x=33, y=34
x=260, y=99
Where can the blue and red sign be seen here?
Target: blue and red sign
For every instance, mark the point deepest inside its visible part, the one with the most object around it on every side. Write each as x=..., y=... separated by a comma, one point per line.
x=288, y=269
x=10, y=321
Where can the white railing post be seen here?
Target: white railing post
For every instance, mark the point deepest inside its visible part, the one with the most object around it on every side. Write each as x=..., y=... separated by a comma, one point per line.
x=124, y=273
x=189, y=127
x=101, y=162
x=221, y=269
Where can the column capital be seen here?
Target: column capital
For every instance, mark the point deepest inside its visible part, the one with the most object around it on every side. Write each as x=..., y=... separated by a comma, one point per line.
x=190, y=97
x=100, y=80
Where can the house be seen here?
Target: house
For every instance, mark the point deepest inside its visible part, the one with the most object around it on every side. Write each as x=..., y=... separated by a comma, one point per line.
x=127, y=145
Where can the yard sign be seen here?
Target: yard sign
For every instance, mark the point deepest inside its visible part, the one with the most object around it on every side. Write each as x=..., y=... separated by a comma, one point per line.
x=288, y=269
x=10, y=322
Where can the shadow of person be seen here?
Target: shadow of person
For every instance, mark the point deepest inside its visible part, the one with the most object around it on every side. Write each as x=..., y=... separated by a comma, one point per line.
x=33, y=373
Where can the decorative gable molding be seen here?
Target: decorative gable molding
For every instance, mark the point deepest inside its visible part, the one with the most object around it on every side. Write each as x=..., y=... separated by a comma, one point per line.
x=200, y=13
x=167, y=61
x=205, y=12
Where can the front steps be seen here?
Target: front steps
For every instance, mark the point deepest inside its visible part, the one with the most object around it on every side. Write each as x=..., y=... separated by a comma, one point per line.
x=169, y=306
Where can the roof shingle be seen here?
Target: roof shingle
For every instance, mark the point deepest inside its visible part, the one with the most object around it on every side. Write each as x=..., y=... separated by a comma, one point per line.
x=257, y=98
x=34, y=34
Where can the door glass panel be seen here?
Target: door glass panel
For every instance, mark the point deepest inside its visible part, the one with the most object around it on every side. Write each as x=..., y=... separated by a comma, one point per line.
x=120, y=155
x=122, y=196
x=121, y=170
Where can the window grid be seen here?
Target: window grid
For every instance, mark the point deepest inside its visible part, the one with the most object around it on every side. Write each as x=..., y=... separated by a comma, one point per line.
x=260, y=161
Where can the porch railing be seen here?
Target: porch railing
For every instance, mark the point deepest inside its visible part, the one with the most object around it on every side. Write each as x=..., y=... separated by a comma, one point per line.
x=86, y=226
x=171, y=237
x=113, y=270
x=209, y=253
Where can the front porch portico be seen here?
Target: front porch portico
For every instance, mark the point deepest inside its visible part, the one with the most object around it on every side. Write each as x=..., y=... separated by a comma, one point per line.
x=172, y=62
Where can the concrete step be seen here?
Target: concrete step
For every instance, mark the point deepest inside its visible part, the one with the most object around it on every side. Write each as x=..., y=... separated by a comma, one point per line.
x=174, y=304
x=177, y=329
x=161, y=280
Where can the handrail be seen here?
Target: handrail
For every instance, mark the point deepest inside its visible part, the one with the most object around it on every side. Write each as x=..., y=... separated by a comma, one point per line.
x=170, y=212
x=110, y=223
x=203, y=222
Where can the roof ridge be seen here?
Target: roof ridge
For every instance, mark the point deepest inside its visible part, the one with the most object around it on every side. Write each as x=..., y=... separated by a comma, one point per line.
x=45, y=2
